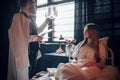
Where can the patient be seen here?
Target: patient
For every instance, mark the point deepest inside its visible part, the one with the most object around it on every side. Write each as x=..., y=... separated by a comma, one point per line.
x=89, y=59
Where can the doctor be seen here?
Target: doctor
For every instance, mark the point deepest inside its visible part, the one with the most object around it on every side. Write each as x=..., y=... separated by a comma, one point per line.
x=19, y=38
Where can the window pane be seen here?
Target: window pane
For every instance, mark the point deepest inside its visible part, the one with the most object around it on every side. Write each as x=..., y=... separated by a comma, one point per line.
x=64, y=22
x=40, y=15
x=64, y=28
x=41, y=2
x=56, y=0
x=66, y=14
x=65, y=35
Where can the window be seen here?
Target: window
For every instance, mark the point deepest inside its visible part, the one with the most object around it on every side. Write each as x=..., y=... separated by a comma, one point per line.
x=64, y=22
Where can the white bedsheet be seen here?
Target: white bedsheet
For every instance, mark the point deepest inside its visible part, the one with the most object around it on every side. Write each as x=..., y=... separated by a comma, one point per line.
x=72, y=72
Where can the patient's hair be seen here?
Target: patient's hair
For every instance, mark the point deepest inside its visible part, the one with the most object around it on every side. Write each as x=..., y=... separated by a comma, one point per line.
x=92, y=26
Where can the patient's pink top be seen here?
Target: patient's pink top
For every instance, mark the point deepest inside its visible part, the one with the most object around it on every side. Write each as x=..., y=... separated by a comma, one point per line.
x=86, y=53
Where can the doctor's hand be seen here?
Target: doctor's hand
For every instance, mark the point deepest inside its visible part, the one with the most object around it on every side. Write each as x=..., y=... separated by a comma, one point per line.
x=39, y=38
x=47, y=20
x=34, y=38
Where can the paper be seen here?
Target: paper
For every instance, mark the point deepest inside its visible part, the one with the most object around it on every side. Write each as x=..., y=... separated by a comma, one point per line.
x=46, y=32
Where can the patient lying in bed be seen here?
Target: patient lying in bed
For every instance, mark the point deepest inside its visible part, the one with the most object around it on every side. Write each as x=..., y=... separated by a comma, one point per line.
x=89, y=59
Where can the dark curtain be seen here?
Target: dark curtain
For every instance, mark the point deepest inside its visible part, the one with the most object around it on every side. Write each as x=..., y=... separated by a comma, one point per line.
x=78, y=21
x=8, y=8
x=83, y=11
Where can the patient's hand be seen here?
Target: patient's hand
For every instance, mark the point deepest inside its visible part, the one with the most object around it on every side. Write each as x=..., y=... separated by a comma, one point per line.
x=74, y=61
x=88, y=64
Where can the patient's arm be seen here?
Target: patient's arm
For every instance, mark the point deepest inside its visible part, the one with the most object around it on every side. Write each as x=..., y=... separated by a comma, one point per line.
x=99, y=64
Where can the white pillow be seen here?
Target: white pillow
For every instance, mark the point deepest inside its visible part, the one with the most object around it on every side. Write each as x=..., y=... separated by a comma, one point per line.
x=103, y=47
x=104, y=41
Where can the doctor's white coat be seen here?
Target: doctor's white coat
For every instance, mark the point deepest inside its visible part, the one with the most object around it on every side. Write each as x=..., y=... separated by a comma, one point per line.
x=18, y=45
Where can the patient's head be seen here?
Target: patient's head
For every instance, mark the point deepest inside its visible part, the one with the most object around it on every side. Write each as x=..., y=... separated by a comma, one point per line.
x=91, y=33
x=91, y=30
